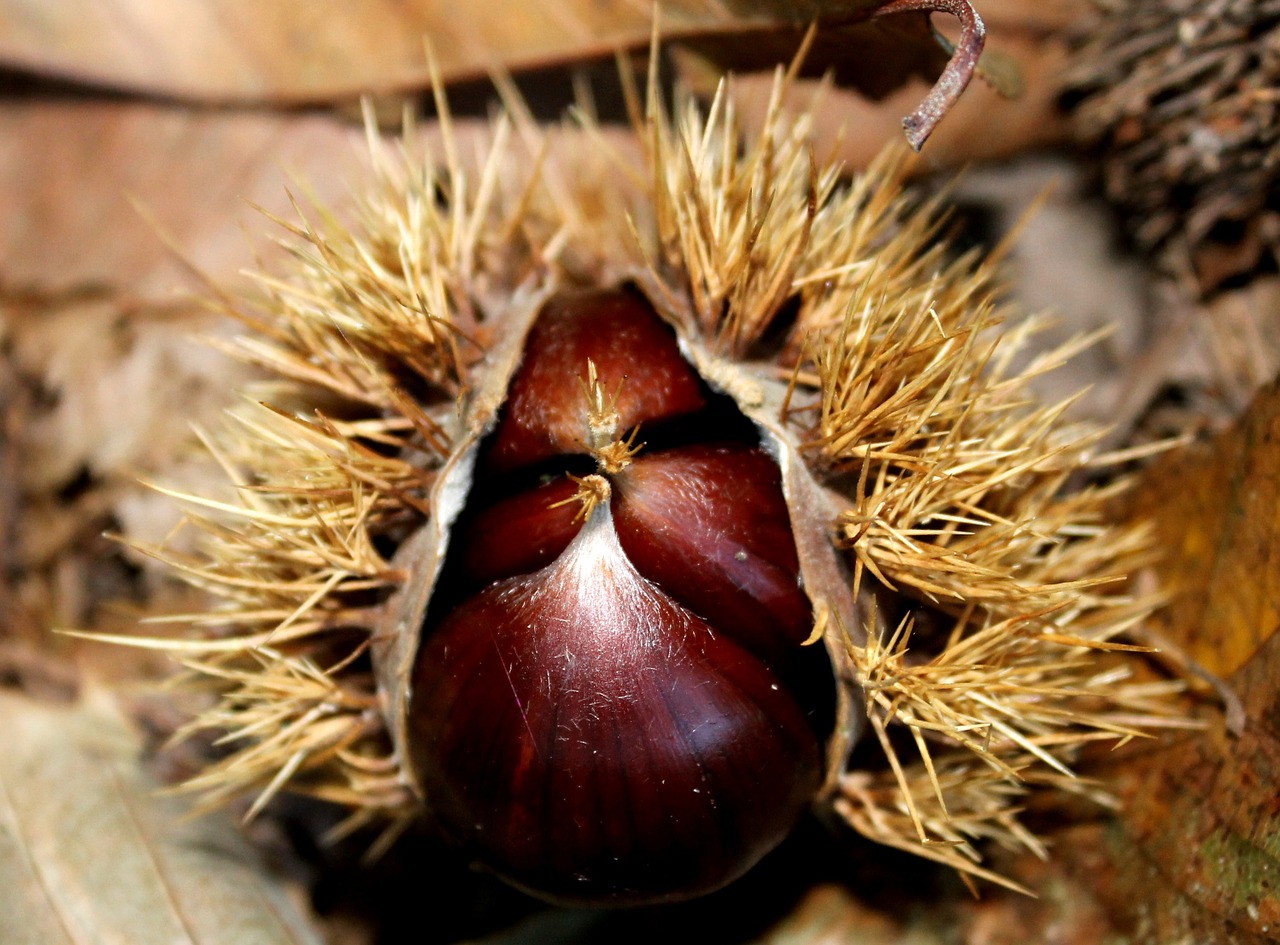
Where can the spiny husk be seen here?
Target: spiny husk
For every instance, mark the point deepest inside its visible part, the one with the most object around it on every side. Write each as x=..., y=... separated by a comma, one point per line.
x=1181, y=98
x=952, y=495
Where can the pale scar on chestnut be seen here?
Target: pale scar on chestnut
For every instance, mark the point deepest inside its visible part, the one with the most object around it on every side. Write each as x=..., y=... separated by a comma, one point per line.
x=611, y=700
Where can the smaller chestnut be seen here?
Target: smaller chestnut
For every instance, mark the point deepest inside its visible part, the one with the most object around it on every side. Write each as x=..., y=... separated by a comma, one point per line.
x=547, y=402
x=708, y=523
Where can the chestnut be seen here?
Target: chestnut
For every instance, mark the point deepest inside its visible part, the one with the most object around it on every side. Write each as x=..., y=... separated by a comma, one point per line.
x=612, y=704
x=547, y=404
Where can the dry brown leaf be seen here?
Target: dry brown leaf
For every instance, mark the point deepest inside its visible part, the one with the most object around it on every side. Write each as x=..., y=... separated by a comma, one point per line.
x=1194, y=855
x=329, y=49
x=1216, y=509
x=71, y=172
x=101, y=369
x=90, y=854
x=89, y=308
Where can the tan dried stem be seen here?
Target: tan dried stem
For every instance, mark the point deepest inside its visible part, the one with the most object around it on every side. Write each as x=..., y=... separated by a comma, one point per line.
x=617, y=455
x=602, y=409
x=611, y=452
x=592, y=492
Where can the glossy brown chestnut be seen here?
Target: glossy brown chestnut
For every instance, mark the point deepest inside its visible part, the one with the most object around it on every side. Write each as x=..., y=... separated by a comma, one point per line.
x=637, y=358
x=708, y=524
x=612, y=704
